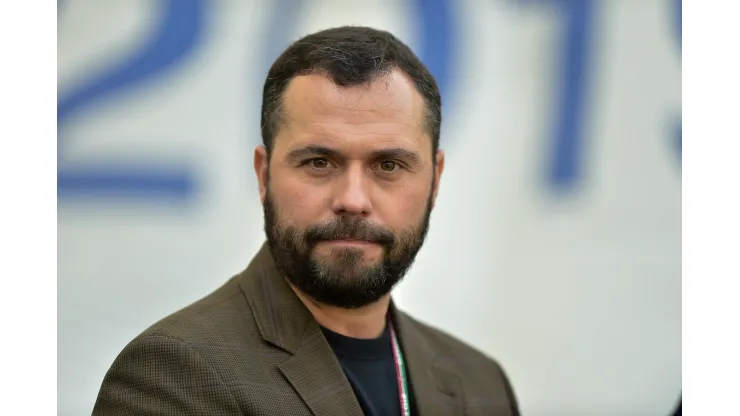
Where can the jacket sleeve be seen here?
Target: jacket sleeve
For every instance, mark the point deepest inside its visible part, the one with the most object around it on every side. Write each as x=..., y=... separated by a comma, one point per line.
x=159, y=375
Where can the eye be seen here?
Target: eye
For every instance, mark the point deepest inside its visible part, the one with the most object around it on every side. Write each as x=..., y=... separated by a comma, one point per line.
x=319, y=163
x=388, y=166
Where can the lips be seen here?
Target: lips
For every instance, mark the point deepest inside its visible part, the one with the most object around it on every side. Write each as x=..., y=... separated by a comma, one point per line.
x=349, y=232
x=352, y=239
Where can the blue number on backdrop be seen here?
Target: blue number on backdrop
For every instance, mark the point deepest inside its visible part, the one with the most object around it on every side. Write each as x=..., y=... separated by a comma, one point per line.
x=565, y=156
x=176, y=36
x=564, y=167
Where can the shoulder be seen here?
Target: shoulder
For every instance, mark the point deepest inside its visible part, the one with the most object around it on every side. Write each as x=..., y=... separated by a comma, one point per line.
x=219, y=329
x=203, y=346
x=220, y=314
x=171, y=360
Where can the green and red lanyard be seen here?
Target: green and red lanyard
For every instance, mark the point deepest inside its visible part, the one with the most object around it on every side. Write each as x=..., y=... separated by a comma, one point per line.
x=401, y=377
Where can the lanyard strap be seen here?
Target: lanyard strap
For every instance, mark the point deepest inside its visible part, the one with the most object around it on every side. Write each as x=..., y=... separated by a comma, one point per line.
x=401, y=378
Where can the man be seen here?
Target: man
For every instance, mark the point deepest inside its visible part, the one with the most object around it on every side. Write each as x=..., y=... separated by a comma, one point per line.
x=348, y=176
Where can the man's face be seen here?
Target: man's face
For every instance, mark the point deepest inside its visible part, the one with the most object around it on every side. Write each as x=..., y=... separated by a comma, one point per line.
x=349, y=187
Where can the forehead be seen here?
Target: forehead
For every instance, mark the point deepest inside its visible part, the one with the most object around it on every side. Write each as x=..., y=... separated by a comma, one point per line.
x=388, y=110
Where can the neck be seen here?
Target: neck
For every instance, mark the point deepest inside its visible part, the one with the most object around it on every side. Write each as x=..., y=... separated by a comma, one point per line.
x=366, y=322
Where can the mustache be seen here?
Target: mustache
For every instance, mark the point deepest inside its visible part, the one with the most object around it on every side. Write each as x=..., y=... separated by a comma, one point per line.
x=345, y=228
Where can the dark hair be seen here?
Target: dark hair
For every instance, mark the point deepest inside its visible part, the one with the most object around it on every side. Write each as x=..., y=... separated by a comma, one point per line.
x=349, y=56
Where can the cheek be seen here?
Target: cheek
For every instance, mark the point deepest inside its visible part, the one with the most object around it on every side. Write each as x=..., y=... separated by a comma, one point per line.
x=298, y=206
x=406, y=209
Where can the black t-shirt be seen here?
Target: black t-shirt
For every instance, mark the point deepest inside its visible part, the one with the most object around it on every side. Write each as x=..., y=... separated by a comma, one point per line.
x=371, y=370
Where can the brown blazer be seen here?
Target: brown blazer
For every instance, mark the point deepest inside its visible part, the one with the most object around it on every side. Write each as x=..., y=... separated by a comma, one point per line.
x=252, y=348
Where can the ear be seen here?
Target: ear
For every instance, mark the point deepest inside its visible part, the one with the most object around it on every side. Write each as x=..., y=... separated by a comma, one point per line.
x=261, y=168
x=440, y=159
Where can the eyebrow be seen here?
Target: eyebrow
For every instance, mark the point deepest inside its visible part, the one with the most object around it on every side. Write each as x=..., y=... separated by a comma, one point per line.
x=391, y=153
x=311, y=150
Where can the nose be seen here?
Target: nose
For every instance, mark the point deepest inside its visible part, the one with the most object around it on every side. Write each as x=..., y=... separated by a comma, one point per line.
x=352, y=193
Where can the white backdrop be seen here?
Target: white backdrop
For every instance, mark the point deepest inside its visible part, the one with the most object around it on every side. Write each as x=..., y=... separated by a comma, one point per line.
x=569, y=275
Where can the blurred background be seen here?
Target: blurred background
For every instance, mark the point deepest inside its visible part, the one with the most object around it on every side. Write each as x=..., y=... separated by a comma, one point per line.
x=558, y=221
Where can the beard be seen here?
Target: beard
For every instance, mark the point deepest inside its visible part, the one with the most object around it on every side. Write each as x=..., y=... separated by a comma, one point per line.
x=343, y=279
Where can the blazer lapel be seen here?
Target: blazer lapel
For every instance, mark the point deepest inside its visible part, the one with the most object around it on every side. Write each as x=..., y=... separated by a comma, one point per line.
x=313, y=370
x=318, y=378
x=437, y=389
